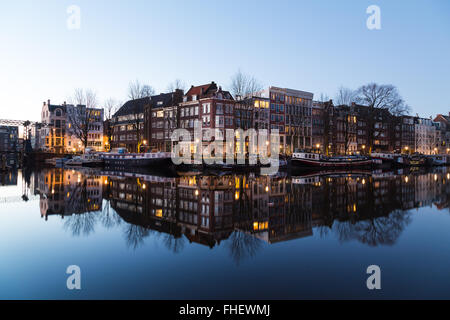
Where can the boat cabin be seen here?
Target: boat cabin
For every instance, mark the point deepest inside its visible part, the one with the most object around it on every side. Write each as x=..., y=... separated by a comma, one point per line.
x=390, y=156
x=306, y=156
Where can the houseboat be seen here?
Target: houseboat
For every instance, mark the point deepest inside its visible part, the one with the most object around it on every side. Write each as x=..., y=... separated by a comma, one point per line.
x=89, y=159
x=418, y=160
x=120, y=158
x=391, y=159
x=439, y=160
x=315, y=160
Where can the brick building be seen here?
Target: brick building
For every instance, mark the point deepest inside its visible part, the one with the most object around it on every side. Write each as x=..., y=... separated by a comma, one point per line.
x=127, y=125
x=291, y=114
x=161, y=118
x=210, y=105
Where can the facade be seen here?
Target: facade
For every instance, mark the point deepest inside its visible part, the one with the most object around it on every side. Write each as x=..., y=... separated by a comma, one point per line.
x=374, y=129
x=291, y=114
x=59, y=124
x=252, y=113
x=9, y=139
x=127, y=125
x=211, y=106
x=408, y=136
x=443, y=143
x=425, y=136
x=160, y=119
x=345, y=130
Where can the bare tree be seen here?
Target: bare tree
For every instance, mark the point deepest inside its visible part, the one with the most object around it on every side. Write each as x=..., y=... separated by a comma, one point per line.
x=244, y=85
x=111, y=107
x=136, y=90
x=81, y=116
x=380, y=97
x=384, y=96
x=176, y=85
x=326, y=116
x=345, y=96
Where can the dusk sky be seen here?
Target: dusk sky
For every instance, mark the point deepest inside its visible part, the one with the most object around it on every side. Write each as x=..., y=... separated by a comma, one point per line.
x=314, y=46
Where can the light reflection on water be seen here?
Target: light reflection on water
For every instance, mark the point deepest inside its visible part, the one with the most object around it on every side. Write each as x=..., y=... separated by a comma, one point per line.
x=292, y=235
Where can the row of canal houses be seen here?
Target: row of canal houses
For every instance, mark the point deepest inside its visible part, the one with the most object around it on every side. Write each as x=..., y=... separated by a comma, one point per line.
x=301, y=122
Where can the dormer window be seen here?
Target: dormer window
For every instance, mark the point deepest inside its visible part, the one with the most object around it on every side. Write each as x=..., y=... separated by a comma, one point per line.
x=58, y=112
x=194, y=97
x=159, y=103
x=184, y=99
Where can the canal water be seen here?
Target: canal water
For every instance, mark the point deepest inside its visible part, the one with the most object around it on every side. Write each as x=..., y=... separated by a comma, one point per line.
x=224, y=236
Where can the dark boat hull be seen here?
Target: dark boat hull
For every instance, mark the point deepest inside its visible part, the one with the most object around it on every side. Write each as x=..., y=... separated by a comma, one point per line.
x=137, y=163
x=305, y=163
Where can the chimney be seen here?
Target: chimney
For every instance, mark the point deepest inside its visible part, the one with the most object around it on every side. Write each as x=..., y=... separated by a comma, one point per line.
x=48, y=101
x=45, y=103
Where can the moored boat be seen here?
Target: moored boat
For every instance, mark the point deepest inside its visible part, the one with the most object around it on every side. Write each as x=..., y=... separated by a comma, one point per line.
x=315, y=160
x=439, y=160
x=390, y=159
x=120, y=158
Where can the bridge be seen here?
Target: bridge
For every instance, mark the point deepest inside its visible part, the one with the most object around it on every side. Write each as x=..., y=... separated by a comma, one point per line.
x=19, y=123
x=24, y=198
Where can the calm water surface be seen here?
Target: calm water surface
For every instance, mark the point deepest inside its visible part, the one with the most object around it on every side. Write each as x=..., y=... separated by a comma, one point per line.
x=224, y=236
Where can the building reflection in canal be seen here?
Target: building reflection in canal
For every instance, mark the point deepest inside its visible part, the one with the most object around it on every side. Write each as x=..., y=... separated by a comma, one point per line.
x=245, y=210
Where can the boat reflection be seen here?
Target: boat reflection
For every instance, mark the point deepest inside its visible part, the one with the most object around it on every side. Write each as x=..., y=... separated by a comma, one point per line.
x=243, y=210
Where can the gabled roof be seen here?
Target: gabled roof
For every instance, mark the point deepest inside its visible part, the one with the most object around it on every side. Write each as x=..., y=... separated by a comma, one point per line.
x=207, y=91
x=53, y=107
x=202, y=91
x=166, y=99
x=442, y=117
x=133, y=107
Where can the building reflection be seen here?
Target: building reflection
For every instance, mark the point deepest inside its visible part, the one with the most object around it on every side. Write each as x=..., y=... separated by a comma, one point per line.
x=247, y=210
x=67, y=192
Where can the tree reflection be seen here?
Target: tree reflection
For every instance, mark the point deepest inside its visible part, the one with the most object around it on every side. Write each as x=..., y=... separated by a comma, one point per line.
x=376, y=231
x=174, y=244
x=243, y=245
x=109, y=217
x=135, y=235
x=81, y=224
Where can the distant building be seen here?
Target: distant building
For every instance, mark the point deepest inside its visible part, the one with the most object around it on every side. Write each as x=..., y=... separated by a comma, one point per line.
x=9, y=146
x=9, y=139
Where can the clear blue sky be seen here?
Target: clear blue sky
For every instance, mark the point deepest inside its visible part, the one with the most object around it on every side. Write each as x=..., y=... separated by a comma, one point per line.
x=311, y=45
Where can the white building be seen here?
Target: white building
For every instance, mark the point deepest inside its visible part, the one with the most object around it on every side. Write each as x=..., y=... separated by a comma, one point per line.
x=425, y=136
x=57, y=133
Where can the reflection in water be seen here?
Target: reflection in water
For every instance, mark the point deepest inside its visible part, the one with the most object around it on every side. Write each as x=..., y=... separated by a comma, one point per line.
x=243, y=209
